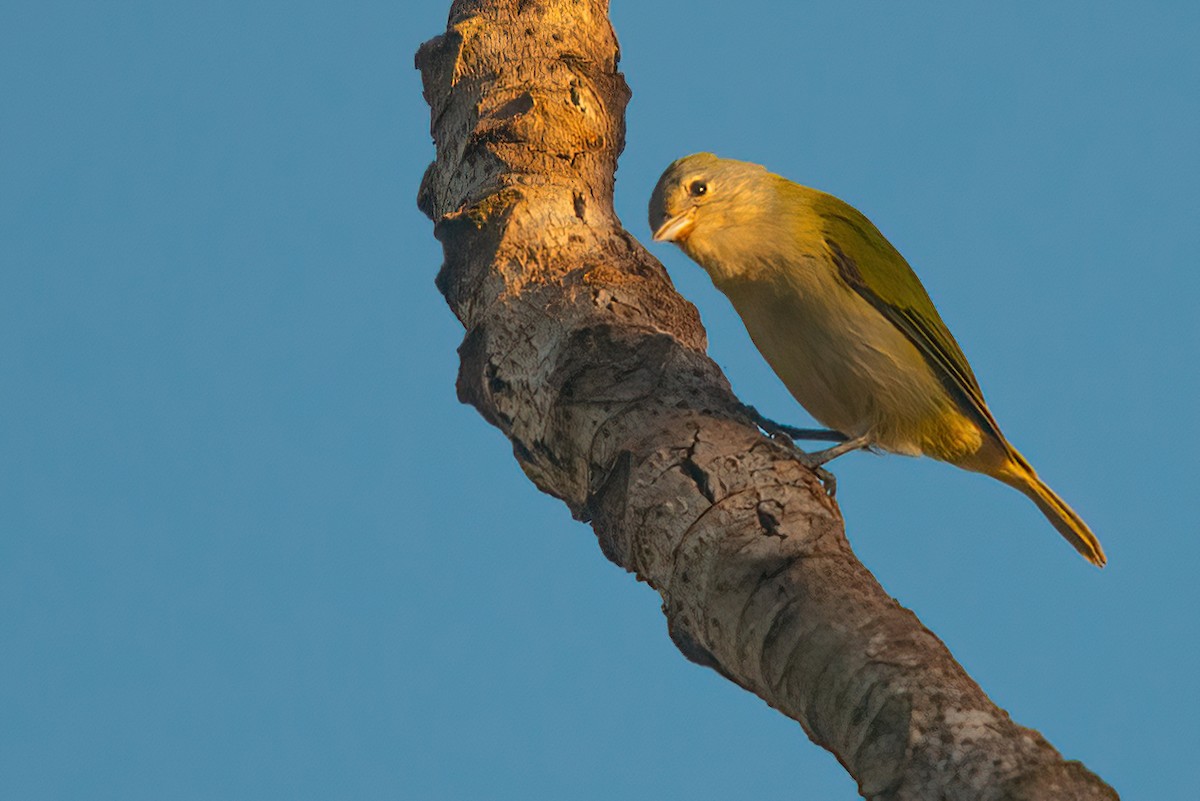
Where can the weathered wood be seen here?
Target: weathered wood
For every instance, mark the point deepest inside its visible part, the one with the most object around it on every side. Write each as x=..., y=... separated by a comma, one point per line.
x=581, y=351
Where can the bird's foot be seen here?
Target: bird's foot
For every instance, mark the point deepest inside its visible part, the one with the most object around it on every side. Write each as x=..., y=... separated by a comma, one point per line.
x=785, y=435
x=828, y=480
x=813, y=461
x=816, y=461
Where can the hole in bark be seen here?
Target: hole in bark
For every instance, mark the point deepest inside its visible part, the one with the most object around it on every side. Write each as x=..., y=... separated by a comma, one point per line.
x=767, y=518
x=518, y=105
x=496, y=385
x=697, y=475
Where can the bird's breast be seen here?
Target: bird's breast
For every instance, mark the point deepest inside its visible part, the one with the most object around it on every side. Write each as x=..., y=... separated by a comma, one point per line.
x=846, y=363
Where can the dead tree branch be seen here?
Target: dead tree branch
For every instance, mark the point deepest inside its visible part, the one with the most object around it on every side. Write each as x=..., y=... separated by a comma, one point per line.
x=581, y=351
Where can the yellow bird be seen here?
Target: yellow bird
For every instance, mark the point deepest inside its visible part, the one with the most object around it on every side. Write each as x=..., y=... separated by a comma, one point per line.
x=843, y=321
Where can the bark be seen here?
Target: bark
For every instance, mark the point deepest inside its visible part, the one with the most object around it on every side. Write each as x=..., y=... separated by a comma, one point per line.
x=581, y=351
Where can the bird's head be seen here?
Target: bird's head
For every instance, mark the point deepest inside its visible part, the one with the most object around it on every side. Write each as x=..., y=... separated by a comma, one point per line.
x=702, y=195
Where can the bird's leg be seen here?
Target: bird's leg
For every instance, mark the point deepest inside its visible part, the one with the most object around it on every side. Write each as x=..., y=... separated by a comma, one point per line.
x=816, y=460
x=792, y=432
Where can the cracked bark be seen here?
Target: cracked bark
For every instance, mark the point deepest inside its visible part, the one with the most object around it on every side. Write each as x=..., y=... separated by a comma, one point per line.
x=581, y=351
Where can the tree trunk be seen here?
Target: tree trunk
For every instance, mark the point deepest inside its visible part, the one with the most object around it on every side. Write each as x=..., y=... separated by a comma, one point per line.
x=581, y=351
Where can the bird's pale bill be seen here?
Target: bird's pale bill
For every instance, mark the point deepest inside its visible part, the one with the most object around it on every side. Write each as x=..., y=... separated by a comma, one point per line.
x=677, y=227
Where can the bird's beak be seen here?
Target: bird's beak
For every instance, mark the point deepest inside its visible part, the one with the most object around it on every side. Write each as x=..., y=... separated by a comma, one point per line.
x=677, y=227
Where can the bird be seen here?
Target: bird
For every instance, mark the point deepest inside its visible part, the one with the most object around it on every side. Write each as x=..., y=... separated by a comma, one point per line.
x=844, y=322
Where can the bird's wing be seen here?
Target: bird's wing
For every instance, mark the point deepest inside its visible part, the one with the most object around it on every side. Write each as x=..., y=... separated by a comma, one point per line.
x=874, y=269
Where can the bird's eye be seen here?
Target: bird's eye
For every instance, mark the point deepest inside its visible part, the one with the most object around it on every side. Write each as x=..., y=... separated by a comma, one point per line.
x=698, y=189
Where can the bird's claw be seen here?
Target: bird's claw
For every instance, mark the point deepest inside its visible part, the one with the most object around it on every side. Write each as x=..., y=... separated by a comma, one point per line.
x=786, y=435
x=828, y=480
x=813, y=461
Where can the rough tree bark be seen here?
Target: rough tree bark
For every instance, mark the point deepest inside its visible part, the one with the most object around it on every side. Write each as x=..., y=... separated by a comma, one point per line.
x=580, y=350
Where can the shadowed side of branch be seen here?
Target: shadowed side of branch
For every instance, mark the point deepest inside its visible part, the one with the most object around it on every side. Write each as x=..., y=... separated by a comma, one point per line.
x=580, y=350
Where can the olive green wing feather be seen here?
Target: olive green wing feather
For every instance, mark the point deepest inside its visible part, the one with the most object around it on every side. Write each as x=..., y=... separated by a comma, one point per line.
x=874, y=269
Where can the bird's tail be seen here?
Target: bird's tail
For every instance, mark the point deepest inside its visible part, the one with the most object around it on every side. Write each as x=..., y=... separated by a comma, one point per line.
x=1020, y=474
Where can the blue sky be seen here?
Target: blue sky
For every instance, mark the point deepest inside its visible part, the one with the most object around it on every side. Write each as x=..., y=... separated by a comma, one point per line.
x=251, y=546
